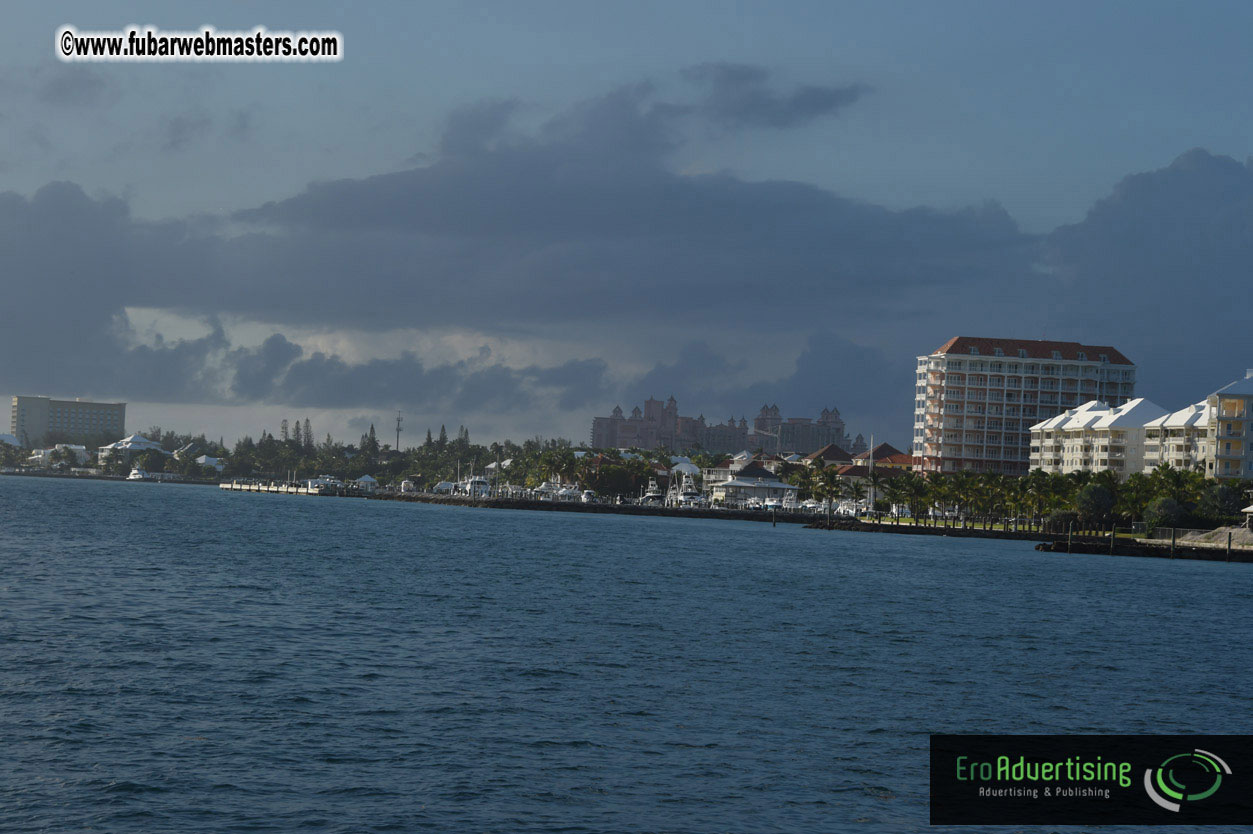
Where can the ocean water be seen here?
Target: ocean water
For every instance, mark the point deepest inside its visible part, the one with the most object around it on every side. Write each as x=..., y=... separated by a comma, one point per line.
x=175, y=658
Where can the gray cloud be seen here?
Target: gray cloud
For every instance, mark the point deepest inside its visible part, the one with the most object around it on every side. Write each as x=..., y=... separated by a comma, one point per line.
x=866, y=384
x=69, y=85
x=473, y=128
x=1161, y=267
x=583, y=221
x=737, y=95
x=180, y=131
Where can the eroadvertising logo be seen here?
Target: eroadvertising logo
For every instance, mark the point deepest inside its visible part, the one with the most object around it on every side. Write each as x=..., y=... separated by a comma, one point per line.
x=1091, y=780
x=1195, y=776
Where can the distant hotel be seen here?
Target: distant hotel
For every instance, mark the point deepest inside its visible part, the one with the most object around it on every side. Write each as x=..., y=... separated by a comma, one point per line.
x=660, y=425
x=976, y=399
x=34, y=418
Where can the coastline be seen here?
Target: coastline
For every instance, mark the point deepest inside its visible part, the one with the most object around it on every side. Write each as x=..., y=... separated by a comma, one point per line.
x=1046, y=542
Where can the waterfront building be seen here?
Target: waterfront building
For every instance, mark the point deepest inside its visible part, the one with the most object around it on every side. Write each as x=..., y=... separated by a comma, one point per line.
x=728, y=468
x=128, y=447
x=885, y=456
x=1230, y=431
x=1095, y=437
x=1180, y=438
x=829, y=455
x=33, y=418
x=658, y=424
x=752, y=484
x=976, y=399
x=217, y=463
x=43, y=457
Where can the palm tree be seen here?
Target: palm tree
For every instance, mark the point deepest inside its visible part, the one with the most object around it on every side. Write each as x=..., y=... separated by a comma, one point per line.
x=1134, y=495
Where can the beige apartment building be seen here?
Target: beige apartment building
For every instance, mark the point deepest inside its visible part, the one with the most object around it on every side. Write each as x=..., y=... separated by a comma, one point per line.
x=1213, y=436
x=1231, y=430
x=976, y=399
x=1180, y=438
x=33, y=418
x=1094, y=437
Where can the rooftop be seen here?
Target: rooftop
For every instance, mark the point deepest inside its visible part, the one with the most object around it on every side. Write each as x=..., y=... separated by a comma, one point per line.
x=1239, y=388
x=880, y=452
x=1031, y=349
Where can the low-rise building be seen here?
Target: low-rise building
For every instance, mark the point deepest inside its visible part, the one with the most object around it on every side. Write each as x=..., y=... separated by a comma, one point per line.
x=1230, y=434
x=1094, y=437
x=44, y=457
x=753, y=485
x=128, y=447
x=1180, y=438
x=217, y=463
x=829, y=455
x=885, y=456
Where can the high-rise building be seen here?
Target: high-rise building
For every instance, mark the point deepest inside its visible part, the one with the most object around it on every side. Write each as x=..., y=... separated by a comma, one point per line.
x=975, y=399
x=34, y=418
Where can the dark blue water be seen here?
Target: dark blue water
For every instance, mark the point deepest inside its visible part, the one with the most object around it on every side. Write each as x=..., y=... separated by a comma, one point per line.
x=174, y=658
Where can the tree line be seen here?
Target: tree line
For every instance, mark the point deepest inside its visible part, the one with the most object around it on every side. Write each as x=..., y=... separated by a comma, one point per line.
x=1166, y=497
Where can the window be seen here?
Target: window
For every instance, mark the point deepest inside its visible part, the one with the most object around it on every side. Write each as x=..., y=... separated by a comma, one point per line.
x=1083, y=357
x=999, y=352
x=1104, y=357
x=974, y=351
x=1022, y=353
x=1057, y=354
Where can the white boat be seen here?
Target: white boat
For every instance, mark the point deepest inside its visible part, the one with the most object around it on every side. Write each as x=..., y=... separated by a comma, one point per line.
x=652, y=495
x=689, y=495
x=137, y=474
x=476, y=486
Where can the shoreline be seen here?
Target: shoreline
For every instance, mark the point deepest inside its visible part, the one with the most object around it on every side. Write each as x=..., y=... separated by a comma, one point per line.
x=1055, y=543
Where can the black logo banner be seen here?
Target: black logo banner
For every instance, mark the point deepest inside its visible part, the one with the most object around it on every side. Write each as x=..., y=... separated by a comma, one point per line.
x=1091, y=780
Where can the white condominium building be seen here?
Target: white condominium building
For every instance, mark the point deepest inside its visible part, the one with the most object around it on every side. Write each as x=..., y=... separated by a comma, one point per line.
x=1180, y=438
x=975, y=399
x=1231, y=430
x=1094, y=437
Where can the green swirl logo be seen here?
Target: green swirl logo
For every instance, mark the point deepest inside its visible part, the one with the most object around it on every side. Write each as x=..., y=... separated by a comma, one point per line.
x=1187, y=777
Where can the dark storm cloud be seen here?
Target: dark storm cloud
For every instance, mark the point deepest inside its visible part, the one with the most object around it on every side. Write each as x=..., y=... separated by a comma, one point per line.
x=585, y=218
x=864, y=383
x=257, y=370
x=584, y=221
x=738, y=95
x=580, y=220
x=275, y=372
x=698, y=374
x=1160, y=268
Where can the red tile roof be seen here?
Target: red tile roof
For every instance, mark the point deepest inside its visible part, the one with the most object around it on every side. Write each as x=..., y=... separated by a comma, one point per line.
x=1035, y=349
x=829, y=452
x=881, y=452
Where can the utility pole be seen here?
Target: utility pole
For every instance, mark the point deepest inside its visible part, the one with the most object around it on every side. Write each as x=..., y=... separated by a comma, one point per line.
x=398, y=421
x=870, y=469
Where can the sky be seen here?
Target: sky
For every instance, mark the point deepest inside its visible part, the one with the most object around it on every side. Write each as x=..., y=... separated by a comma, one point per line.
x=514, y=216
